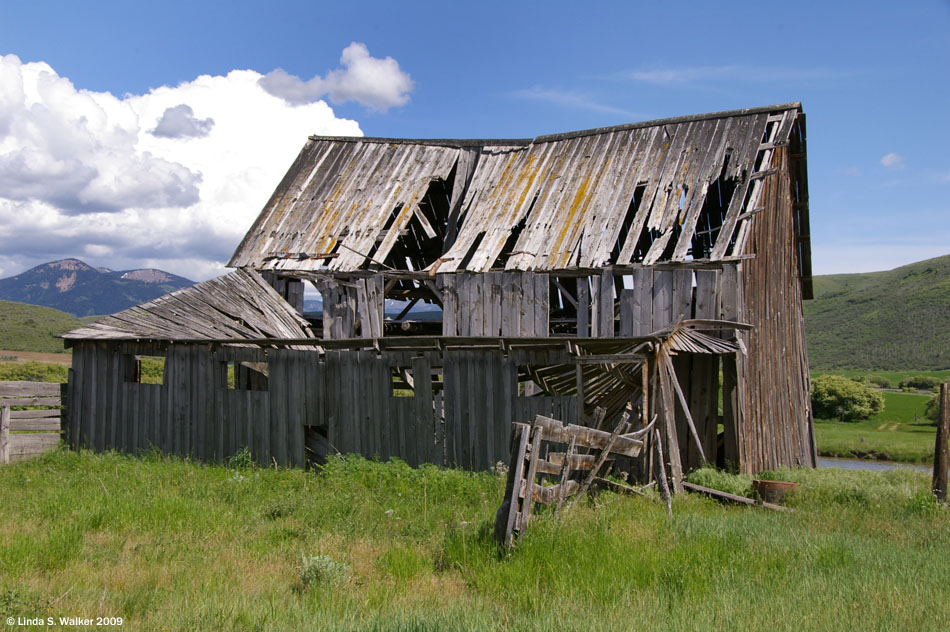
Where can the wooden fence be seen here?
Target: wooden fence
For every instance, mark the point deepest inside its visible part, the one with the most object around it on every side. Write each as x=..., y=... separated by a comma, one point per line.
x=30, y=421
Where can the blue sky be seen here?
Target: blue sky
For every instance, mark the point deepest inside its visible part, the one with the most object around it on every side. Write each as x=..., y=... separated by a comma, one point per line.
x=127, y=158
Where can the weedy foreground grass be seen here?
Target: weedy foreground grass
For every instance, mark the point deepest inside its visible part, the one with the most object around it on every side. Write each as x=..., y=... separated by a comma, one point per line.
x=360, y=545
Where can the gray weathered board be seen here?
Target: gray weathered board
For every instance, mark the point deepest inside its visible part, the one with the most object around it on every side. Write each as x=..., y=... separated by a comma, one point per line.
x=458, y=410
x=28, y=432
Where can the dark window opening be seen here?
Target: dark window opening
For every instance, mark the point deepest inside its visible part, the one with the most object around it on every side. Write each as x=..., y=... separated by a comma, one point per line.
x=563, y=306
x=412, y=309
x=144, y=369
x=245, y=376
x=403, y=382
x=527, y=387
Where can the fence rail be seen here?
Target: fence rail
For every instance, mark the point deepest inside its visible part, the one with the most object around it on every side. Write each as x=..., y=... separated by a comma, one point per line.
x=30, y=419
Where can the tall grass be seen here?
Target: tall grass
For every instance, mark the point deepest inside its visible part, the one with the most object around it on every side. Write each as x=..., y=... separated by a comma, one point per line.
x=360, y=545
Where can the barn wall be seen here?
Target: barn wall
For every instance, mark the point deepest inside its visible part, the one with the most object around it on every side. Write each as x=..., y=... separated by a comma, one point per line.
x=495, y=304
x=352, y=308
x=457, y=412
x=775, y=426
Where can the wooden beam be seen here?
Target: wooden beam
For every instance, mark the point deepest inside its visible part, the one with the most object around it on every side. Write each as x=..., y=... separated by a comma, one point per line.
x=742, y=500
x=939, y=482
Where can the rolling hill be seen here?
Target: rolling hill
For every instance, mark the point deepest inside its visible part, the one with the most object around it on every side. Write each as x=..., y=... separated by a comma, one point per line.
x=894, y=320
x=77, y=288
x=33, y=328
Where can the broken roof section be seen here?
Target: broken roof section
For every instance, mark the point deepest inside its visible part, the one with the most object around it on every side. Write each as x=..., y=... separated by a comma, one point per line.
x=238, y=306
x=671, y=190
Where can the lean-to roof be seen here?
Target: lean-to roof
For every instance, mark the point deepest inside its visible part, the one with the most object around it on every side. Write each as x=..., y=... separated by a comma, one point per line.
x=238, y=305
x=666, y=190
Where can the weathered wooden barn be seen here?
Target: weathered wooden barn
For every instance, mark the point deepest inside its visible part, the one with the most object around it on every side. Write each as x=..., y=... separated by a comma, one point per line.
x=569, y=272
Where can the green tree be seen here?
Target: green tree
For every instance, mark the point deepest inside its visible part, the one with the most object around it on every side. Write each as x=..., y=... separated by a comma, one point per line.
x=932, y=408
x=837, y=397
x=921, y=382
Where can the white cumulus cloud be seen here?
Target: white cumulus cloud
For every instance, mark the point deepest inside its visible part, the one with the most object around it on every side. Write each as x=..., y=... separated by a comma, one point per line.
x=76, y=149
x=893, y=161
x=171, y=179
x=376, y=83
x=180, y=122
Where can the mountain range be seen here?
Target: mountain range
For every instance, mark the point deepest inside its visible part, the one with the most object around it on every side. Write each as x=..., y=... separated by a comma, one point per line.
x=74, y=287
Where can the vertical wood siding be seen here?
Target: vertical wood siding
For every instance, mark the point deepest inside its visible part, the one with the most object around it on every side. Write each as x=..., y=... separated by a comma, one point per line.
x=775, y=426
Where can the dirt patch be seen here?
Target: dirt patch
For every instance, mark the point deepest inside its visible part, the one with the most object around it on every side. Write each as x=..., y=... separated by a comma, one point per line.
x=35, y=356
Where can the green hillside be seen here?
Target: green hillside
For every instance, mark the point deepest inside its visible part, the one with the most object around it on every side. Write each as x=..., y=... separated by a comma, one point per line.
x=33, y=328
x=895, y=320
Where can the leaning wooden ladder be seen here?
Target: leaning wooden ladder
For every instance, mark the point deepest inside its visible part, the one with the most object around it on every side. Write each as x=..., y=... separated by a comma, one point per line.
x=522, y=489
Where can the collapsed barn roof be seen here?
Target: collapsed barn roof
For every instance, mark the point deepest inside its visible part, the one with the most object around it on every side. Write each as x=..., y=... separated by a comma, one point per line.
x=236, y=306
x=672, y=190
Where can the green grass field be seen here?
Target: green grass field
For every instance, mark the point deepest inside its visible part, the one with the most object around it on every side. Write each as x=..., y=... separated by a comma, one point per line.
x=894, y=377
x=897, y=433
x=902, y=407
x=172, y=545
x=892, y=441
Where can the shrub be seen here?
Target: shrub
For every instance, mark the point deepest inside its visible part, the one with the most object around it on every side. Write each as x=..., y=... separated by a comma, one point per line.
x=920, y=382
x=241, y=460
x=836, y=397
x=322, y=570
x=879, y=381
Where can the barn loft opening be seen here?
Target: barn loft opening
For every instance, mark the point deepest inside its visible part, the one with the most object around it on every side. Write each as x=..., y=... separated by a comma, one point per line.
x=712, y=215
x=423, y=239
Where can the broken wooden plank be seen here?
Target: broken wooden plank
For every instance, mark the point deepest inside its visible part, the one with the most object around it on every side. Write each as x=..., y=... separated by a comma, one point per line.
x=742, y=500
x=588, y=437
x=554, y=493
x=602, y=457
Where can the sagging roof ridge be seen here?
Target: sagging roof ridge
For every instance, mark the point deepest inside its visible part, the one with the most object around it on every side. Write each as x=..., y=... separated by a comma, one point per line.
x=547, y=138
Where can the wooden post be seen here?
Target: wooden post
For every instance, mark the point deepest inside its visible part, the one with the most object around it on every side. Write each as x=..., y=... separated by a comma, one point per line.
x=661, y=482
x=939, y=485
x=5, y=435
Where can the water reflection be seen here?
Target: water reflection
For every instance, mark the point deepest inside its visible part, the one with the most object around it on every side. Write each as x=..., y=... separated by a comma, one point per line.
x=867, y=464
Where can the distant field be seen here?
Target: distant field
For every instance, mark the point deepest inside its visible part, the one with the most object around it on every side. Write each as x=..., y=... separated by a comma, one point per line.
x=903, y=407
x=890, y=440
x=9, y=355
x=897, y=433
x=894, y=377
